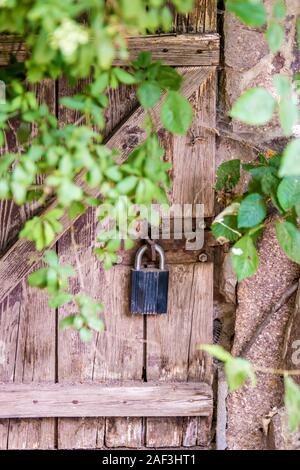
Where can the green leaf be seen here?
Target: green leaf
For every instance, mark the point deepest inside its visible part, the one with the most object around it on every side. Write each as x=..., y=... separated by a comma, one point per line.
x=76, y=208
x=143, y=60
x=279, y=9
x=282, y=84
x=250, y=12
x=275, y=36
x=60, y=299
x=176, y=113
x=169, y=78
x=216, y=351
x=288, y=114
x=66, y=322
x=252, y=211
x=85, y=334
x=23, y=132
x=244, y=258
x=225, y=230
x=124, y=77
x=290, y=165
x=148, y=94
x=289, y=192
x=183, y=6
x=237, y=371
x=38, y=278
x=5, y=162
x=255, y=107
x=127, y=185
x=51, y=258
x=288, y=236
x=96, y=323
x=288, y=105
x=292, y=403
x=228, y=175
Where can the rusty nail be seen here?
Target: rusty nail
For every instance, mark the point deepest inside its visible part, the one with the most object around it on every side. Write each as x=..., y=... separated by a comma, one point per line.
x=203, y=258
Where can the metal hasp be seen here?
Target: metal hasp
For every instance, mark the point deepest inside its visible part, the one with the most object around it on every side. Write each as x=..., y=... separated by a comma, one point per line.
x=149, y=286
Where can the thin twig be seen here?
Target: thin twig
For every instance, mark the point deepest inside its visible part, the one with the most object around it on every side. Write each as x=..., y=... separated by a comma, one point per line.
x=277, y=306
x=269, y=370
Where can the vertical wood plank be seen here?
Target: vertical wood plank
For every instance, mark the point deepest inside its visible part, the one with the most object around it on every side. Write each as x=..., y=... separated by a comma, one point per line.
x=210, y=22
x=75, y=358
x=27, y=334
x=115, y=354
x=118, y=353
x=12, y=216
x=171, y=351
x=193, y=155
x=193, y=22
x=28, y=355
x=172, y=347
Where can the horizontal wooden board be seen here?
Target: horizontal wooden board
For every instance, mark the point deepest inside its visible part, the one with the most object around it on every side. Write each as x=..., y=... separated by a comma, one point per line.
x=180, y=50
x=82, y=400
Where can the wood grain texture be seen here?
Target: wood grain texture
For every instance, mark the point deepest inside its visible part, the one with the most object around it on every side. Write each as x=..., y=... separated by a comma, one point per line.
x=28, y=355
x=193, y=22
x=22, y=256
x=185, y=399
x=118, y=352
x=210, y=23
x=172, y=352
x=28, y=333
x=193, y=155
x=182, y=50
x=12, y=216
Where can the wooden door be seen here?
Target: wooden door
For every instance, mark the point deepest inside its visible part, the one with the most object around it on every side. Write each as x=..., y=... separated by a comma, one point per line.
x=153, y=362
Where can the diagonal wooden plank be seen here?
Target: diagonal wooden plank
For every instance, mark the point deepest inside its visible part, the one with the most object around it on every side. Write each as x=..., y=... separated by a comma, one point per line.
x=172, y=49
x=22, y=256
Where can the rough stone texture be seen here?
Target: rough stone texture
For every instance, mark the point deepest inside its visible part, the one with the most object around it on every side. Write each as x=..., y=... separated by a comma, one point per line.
x=249, y=63
x=228, y=280
x=256, y=296
x=279, y=437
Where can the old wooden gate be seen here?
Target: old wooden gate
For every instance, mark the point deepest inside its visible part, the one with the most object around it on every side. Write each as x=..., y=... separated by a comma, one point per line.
x=143, y=383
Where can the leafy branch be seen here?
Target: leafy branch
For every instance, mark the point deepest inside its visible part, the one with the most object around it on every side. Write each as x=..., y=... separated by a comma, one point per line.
x=238, y=371
x=80, y=40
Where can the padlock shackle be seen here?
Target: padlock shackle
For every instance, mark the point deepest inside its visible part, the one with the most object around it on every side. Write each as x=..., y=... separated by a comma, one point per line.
x=140, y=253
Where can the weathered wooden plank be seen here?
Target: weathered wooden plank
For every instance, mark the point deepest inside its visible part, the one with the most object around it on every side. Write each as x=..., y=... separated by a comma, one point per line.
x=12, y=216
x=28, y=400
x=193, y=155
x=193, y=22
x=174, y=356
x=75, y=358
x=22, y=256
x=28, y=355
x=210, y=22
x=181, y=50
x=27, y=334
x=118, y=352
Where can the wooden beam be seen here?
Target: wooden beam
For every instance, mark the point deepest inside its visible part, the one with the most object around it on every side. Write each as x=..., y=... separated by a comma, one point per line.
x=18, y=261
x=181, y=50
x=82, y=400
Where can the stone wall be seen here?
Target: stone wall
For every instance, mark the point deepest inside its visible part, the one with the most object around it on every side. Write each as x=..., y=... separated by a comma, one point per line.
x=247, y=62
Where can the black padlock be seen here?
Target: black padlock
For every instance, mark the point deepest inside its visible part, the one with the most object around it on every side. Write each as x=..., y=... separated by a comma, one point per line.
x=149, y=286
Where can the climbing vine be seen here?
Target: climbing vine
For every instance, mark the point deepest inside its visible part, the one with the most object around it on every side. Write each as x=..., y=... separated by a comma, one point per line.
x=81, y=40
x=272, y=195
